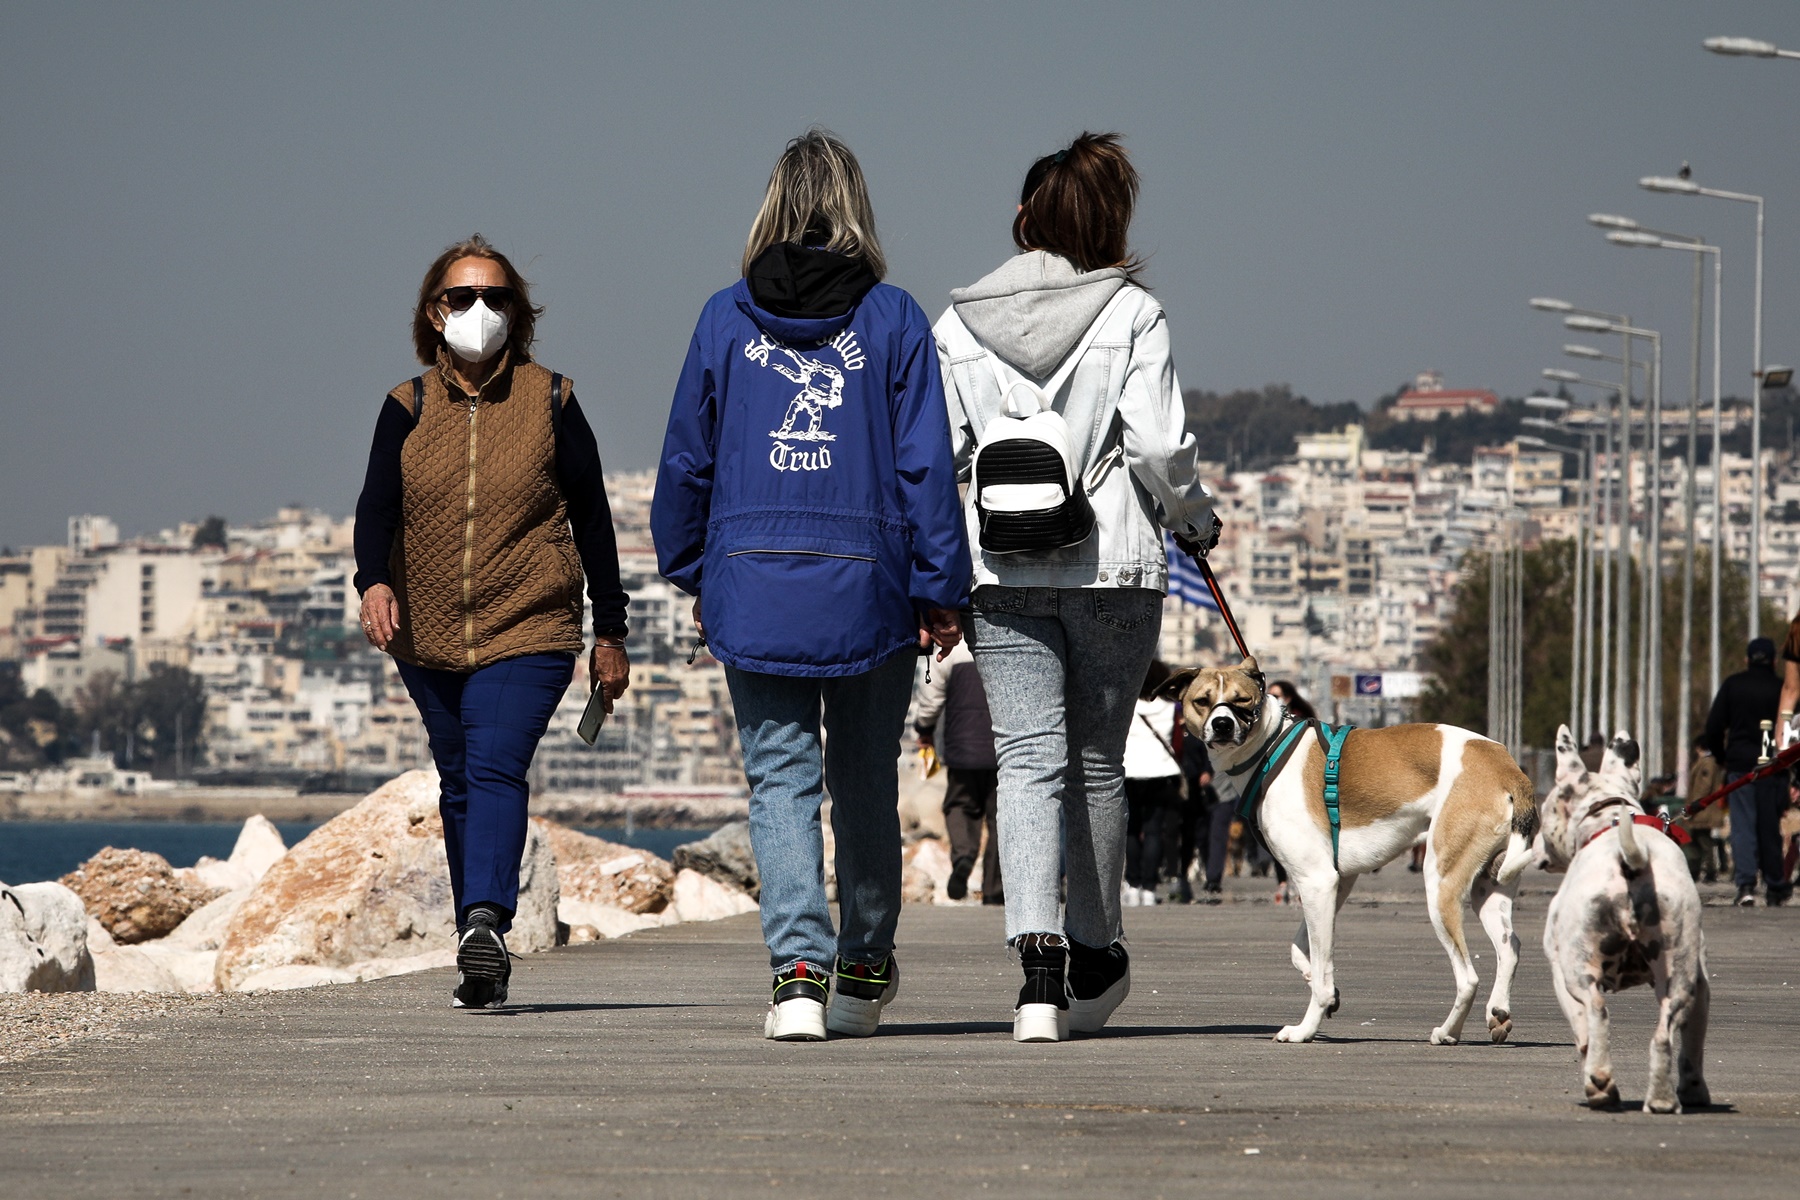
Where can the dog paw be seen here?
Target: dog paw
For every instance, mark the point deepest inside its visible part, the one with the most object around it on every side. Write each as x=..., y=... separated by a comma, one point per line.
x=1602, y=1092
x=1293, y=1033
x=1499, y=1025
x=1695, y=1096
x=1443, y=1037
x=1662, y=1104
x=1337, y=1000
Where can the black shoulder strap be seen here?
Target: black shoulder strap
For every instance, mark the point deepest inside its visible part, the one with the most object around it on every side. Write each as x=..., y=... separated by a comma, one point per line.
x=556, y=382
x=418, y=396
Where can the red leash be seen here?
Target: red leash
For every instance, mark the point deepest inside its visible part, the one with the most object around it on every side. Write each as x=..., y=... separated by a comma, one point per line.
x=1780, y=762
x=1218, y=594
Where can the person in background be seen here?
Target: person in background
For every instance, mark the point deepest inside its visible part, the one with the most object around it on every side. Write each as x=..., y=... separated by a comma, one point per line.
x=1706, y=846
x=1785, y=730
x=482, y=508
x=1734, y=735
x=1063, y=636
x=807, y=500
x=1197, y=805
x=1152, y=789
x=951, y=718
x=1220, y=813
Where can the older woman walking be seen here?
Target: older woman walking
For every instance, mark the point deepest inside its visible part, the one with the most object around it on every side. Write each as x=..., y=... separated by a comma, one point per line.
x=482, y=509
x=1060, y=358
x=807, y=500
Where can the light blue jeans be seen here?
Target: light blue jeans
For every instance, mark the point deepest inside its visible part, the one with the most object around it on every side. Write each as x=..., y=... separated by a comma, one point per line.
x=1062, y=668
x=789, y=768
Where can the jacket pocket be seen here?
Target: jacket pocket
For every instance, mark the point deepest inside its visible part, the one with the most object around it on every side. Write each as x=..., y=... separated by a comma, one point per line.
x=803, y=598
x=1125, y=608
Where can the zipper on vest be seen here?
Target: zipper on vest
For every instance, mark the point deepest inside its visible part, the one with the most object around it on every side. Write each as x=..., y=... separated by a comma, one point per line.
x=468, y=581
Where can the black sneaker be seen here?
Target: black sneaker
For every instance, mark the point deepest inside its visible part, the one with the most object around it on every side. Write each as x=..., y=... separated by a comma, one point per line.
x=1746, y=898
x=1042, y=1014
x=1099, y=981
x=481, y=960
x=797, y=1008
x=862, y=991
x=958, y=886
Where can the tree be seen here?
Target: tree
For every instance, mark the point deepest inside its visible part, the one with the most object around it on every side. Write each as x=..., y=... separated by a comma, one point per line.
x=1458, y=659
x=210, y=533
x=33, y=728
x=155, y=724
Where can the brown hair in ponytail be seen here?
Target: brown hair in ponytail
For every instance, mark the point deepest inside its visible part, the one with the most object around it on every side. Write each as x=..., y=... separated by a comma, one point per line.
x=1078, y=203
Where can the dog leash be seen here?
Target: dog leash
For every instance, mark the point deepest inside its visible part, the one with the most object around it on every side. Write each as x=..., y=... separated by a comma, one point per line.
x=1218, y=595
x=1781, y=762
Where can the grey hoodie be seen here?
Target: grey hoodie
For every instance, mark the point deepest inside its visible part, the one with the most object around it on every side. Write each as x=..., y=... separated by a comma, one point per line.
x=1122, y=397
x=1033, y=310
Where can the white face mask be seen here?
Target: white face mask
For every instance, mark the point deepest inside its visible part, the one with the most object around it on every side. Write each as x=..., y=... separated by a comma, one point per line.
x=476, y=333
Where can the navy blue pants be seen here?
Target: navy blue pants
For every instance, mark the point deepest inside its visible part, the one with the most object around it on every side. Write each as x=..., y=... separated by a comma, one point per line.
x=484, y=727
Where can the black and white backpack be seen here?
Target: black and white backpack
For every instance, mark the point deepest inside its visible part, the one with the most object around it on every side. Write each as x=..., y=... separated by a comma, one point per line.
x=1029, y=489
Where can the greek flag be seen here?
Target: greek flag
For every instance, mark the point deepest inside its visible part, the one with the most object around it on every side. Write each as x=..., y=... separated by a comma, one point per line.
x=1185, y=582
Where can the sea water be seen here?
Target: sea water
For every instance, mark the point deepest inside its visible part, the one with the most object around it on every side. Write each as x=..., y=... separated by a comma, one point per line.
x=34, y=850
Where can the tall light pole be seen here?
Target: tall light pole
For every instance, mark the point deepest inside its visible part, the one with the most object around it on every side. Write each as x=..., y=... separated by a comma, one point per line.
x=1687, y=187
x=1699, y=249
x=1649, y=707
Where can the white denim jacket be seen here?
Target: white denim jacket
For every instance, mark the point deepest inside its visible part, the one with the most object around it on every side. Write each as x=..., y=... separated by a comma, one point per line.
x=1122, y=405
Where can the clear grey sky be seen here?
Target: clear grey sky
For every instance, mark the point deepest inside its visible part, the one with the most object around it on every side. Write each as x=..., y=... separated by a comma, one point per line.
x=216, y=216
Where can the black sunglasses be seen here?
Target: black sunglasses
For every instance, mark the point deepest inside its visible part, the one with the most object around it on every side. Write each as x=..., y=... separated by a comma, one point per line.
x=462, y=299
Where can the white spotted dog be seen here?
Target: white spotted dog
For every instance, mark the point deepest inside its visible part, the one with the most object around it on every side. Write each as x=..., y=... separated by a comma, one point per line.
x=1461, y=791
x=1627, y=914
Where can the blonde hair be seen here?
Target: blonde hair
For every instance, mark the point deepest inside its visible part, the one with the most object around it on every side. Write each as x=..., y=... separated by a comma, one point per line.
x=817, y=190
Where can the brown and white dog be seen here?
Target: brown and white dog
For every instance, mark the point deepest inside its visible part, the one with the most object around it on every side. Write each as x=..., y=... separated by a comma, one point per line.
x=1627, y=914
x=1395, y=784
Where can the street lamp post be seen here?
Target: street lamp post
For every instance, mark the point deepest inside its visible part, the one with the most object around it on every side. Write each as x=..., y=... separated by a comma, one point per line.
x=1578, y=615
x=1687, y=187
x=1649, y=708
x=1699, y=249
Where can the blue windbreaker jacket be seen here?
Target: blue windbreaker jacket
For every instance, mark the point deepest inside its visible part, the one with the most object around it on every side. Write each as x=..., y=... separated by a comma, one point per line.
x=806, y=491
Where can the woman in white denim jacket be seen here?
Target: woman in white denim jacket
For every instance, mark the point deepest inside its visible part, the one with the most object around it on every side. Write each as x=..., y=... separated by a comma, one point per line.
x=1062, y=637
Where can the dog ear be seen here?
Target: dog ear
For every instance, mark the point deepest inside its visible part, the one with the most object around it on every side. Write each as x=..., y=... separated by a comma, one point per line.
x=1249, y=667
x=1176, y=685
x=1568, y=755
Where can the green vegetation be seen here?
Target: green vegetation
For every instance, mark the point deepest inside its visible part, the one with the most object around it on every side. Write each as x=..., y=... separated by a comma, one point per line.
x=1252, y=430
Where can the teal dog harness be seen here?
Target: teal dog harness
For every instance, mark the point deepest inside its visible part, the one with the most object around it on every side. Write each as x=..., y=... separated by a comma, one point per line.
x=1274, y=756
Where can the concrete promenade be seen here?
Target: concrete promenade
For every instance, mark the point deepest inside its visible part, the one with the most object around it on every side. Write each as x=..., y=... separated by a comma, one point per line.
x=634, y=1068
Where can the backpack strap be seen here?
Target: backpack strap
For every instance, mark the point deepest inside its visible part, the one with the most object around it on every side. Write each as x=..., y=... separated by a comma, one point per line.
x=1008, y=378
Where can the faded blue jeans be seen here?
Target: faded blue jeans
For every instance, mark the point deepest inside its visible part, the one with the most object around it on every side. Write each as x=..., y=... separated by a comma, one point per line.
x=789, y=768
x=1062, y=668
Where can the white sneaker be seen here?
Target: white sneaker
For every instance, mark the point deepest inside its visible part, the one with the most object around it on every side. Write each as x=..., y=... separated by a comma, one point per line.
x=861, y=992
x=1040, y=1023
x=797, y=1009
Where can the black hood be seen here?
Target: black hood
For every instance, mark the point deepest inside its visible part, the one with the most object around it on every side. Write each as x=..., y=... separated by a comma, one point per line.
x=807, y=283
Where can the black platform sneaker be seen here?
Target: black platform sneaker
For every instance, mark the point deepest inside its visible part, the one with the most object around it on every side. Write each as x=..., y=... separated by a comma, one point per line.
x=481, y=960
x=797, y=1009
x=1099, y=981
x=862, y=991
x=1042, y=1014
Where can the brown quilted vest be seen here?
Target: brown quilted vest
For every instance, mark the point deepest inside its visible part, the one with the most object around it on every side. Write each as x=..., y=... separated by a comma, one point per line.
x=484, y=565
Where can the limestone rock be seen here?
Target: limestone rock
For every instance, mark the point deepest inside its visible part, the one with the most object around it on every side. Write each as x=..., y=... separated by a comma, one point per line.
x=135, y=895
x=292, y=977
x=597, y=871
x=701, y=898
x=193, y=970
x=258, y=847
x=589, y=921
x=129, y=969
x=205, y=927
x=43, y=940
x=372, y=883
x=925, y=871
x=727, y=857
x=97, y=937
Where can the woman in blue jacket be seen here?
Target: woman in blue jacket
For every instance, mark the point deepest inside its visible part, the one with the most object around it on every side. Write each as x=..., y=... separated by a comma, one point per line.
x=807, y=500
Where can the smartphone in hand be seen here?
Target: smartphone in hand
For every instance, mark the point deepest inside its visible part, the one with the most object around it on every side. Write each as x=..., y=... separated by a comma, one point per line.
x=592, y=717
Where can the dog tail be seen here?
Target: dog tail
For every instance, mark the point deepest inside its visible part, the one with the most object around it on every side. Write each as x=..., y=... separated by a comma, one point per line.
x=1519, y=852
x=1631, y=851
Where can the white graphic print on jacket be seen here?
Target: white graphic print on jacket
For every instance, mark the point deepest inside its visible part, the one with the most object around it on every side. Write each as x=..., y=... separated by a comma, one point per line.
x=821, y=387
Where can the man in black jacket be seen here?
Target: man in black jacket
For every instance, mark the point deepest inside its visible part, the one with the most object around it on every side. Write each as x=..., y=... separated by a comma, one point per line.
x=1734, y=733
x=952, y=717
